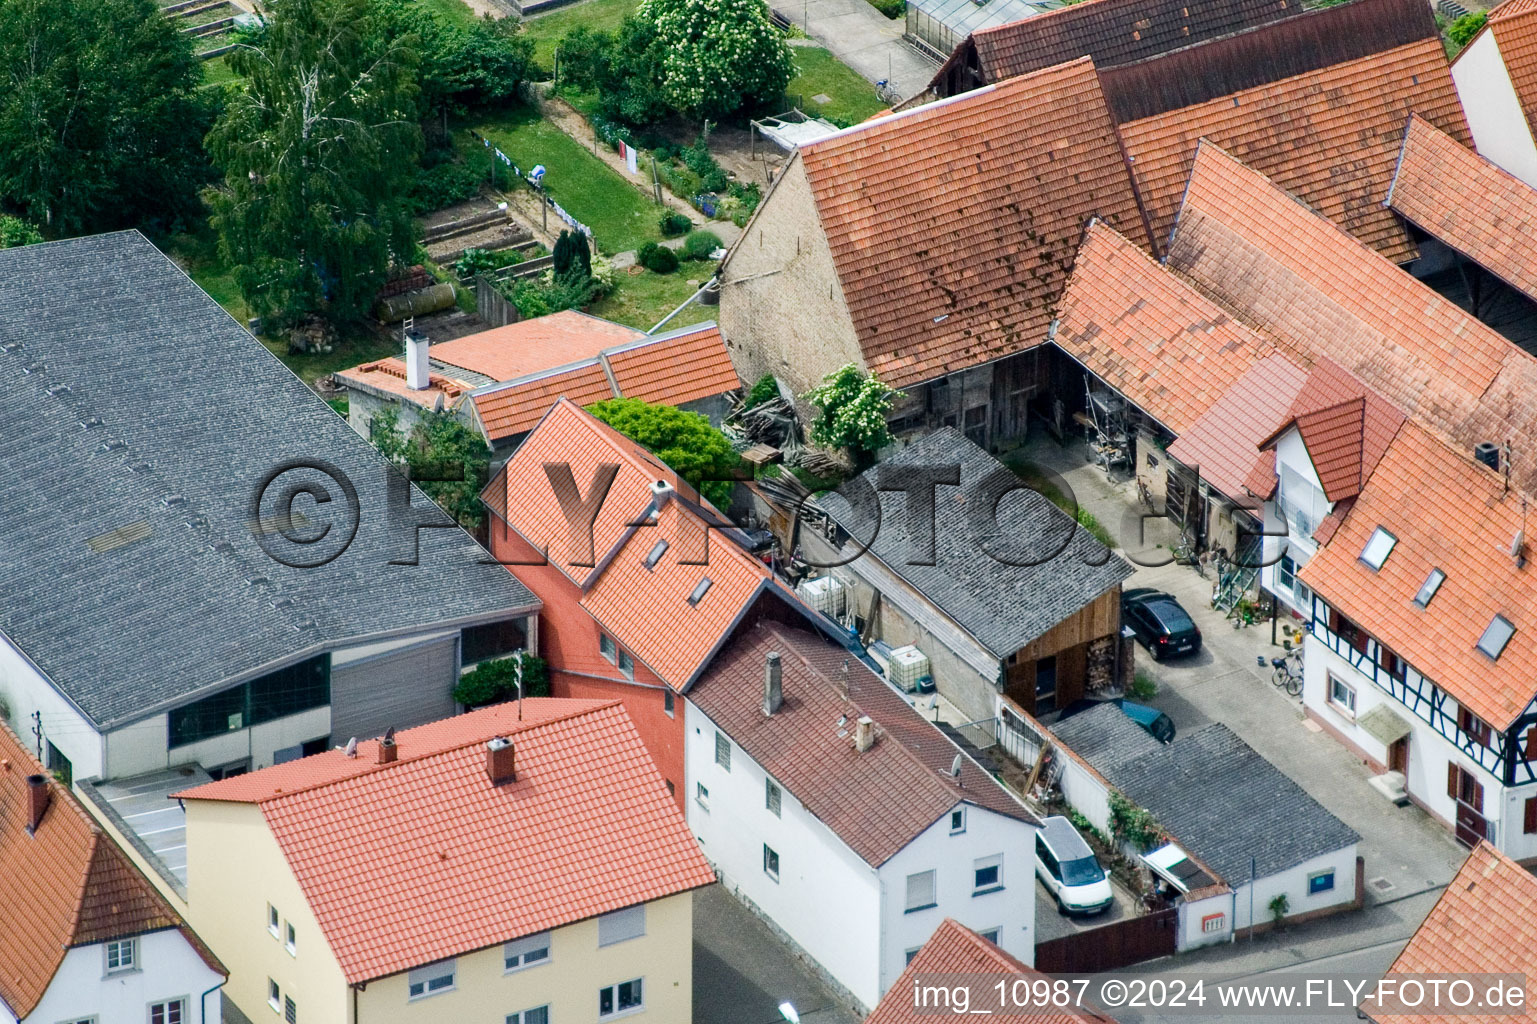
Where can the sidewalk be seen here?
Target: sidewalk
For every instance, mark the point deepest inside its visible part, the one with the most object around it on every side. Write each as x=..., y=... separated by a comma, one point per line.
x=864, y=39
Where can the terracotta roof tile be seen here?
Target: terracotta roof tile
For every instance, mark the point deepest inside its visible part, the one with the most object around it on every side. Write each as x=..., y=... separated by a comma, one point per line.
x=1111, y=32
x=509, y=411
x=1514, y=24
x=877, y=801
x=1484, y=923
x=1465, y=201
x=430, y=846
x=1300, y=280
x=1224, y=442
x=1148, y=333
x=1331, y=136
x=68, y=884
x=956, y=949
x=1345, y=426
x=389, y=375
x=533, y=346
x=681, y=367
x=953, y=225
x=1452, y=514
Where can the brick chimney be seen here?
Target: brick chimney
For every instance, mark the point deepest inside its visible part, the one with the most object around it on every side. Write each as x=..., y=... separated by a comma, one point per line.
x=864, y=733
x=773, y=685
x=388, y=751
x=500, y=763
x=38, y=798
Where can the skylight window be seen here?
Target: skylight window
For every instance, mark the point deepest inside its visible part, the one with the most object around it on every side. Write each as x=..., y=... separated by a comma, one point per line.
x=1496, y=636
x=1378, y=548
x=699, y=591
x=655, y=554
x=1428, y=590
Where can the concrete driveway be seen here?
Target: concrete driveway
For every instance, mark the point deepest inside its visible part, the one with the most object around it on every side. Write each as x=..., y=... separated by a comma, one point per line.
x=1052, y=924
x=1406, y=851
x=742, y=972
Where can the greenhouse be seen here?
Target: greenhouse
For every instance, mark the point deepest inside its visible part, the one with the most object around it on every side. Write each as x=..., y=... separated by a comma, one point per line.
x=939, y=25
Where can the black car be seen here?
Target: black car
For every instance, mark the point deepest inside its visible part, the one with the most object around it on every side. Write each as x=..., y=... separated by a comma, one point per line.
x=1159, y=623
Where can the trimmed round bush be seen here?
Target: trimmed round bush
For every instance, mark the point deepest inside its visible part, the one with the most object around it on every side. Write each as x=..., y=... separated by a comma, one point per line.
x=700, y=244
x=674, y=224
x=657, y=258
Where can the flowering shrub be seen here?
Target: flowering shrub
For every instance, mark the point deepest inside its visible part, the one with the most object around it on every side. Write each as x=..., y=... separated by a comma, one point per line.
x=852, y=411
x=718, y=55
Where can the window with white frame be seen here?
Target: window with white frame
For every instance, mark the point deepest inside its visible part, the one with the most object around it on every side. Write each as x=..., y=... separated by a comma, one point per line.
x=987, y=874
x=79, y=1020
x=122, y=955
x=168, y=1011
x=290, y=1011
x=701, y=795
x=607, y=648
x=1320, y=881
x=1286, y=579
x=1342, y=695
x=770, y=862
x=620, y=998
x=773, y=797
x=908, y=956
x=991, y=935
x=272, y=921
x=723, y=751
x=957, y=821
x=430, y=980
x=290, y=939
x=538, y=1015
x=526, y=952
x=274, y=996
x=622, y=925
x=1378, y=547
x=1302, y=502
x=920, y=891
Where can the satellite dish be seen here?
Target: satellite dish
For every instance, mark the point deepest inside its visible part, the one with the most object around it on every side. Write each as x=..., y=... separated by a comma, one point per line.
x=352, y=747
x=955, y=767
x=1517, y=543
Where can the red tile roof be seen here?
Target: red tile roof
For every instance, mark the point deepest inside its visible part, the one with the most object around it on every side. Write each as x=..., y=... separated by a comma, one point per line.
x=389, y=375
x=1484, y=923
x=1514, y=24
x=1345, y=426
x=1300, y=280
x=877, y=801
x=1224, y=442
x=645, y=609
x=453, y=863
x=1149, y=334
x=66, y=885
x=954, y=949
x=1331, y=136
x=1452, y=514
x=533, y=346
x=507, y=412
x=1458, y=197
x=953, y=225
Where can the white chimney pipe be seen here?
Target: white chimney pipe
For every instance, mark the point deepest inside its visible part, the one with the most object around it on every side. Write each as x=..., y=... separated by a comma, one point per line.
x=773, y=686
x=416, y=361
x=864, y=733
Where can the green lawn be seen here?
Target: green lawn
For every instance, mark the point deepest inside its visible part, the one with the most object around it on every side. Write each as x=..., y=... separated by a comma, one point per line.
x=620, y=215
x=454, y=10
x=642, y=300
x=853, y=98
x=546, y=29
x=218, y=72
x=363, y=347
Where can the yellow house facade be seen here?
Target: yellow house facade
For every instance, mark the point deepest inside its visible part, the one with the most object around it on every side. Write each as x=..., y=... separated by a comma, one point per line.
x=423, y=926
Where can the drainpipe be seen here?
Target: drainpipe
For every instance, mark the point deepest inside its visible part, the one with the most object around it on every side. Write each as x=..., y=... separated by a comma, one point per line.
x=202, y=1003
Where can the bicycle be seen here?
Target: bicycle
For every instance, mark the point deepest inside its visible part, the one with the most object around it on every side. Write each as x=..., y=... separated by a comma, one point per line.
x=1286, y=672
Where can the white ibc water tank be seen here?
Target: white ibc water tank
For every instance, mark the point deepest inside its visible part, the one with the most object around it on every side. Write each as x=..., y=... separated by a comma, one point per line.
x=908, y=669
x=825, y=594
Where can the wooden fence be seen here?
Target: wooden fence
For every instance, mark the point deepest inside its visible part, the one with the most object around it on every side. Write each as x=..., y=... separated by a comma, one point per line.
x=1117, y=945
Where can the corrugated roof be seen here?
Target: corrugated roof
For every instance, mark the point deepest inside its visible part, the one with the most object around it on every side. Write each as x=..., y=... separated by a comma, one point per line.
x=877, y=801
x=1149, y=334
x=170, y=420
x=1458, y=197
x=1331, y=136
x=423, y=859
x=1484, y=923
x=68, y=884
x=954, y=949
x=953, y=225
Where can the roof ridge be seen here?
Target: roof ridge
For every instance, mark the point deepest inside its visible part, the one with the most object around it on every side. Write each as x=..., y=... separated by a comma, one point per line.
x=519, y=729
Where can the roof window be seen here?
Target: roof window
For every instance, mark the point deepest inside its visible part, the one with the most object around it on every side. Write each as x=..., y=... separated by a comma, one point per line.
x=1496, y=636
x=702, y=588
x=1378, y=548
x=655, y=554
x=1428, y=589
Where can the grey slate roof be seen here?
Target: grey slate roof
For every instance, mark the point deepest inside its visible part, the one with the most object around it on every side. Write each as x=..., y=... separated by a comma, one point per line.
x=193, y=413
x=1004, y=606
x=1212, y=792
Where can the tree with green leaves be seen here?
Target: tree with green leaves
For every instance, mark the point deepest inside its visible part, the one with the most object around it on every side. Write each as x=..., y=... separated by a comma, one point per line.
x=851, y=412
x=718, y=56
x=571, y=255
x=101, y=120
x=1466, y=27
x=439, y=445
x=696, y=451
x=461, y=66
x=14, y=231
x=318, y=151
x=581, y=57
x=630, y=80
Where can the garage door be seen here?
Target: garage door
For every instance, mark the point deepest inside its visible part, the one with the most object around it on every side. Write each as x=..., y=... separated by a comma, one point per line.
x=402, y=687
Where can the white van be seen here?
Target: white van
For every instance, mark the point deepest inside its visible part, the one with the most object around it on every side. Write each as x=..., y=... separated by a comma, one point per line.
x=1067, y=867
